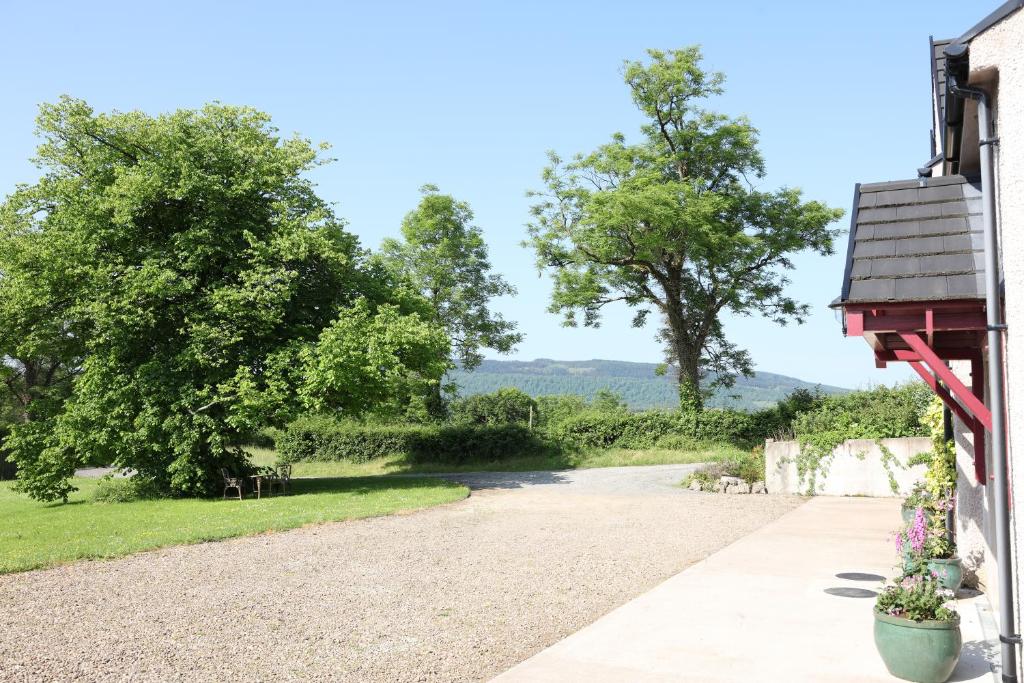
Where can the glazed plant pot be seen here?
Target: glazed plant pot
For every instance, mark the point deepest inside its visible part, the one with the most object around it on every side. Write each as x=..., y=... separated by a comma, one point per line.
x=920, y=651
x=950, y=572
x=907, y=513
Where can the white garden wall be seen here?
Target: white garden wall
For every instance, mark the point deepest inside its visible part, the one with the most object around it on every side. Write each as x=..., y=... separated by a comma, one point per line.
x=855, y=469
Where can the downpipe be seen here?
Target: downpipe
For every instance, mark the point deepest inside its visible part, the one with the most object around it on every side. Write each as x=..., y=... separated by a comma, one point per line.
x=1008, y=638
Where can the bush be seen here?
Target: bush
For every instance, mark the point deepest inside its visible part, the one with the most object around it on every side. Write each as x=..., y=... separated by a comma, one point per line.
x=677, y=442
x=504, y=406
x=593, y=429
x=327, y=439
x=126, y=489
x=748, y=466
x=555, y=409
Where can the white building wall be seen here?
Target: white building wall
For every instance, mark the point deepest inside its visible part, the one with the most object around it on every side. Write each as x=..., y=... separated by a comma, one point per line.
x=997, y=63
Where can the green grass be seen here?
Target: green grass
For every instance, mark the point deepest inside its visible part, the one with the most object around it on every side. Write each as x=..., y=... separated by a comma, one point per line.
x=612, y=457
x=35, y=535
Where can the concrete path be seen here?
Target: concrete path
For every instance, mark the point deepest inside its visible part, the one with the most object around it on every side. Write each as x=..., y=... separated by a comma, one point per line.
x=762, y=609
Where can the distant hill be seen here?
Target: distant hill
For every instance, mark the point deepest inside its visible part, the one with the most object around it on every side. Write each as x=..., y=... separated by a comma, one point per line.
x=637, y=383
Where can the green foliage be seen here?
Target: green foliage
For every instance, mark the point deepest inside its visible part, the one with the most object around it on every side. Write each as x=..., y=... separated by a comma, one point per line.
x=182, y=269
x=126, y=490
x=940, y=475
x=607, y=401
x=326, y=439
x=595, y=429
x=444, y=258
x=746, y=466
x=879, y=413
x=916, y=597
x=505, y=406
x=672, y=225
x=552, y=411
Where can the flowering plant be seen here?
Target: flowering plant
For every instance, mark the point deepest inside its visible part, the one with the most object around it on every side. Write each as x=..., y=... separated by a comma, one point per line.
x=926, y=537
x=917, y=597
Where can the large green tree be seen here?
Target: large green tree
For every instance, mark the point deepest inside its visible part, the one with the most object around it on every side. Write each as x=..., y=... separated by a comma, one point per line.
x=444, y=257
x=183, y=272
x=672, y=223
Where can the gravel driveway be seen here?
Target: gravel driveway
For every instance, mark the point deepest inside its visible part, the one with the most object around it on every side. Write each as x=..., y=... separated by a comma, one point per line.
x=455, y=593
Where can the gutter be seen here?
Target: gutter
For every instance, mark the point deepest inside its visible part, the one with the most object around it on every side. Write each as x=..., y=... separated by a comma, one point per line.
x=956, y=56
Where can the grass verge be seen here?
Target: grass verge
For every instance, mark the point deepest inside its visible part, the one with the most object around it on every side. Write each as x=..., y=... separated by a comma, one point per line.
x=36, y=535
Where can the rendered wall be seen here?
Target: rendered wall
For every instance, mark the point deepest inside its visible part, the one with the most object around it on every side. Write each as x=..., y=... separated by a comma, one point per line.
x=856, y=468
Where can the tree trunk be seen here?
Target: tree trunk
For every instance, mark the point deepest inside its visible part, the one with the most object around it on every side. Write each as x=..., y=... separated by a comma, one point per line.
x=435, y=403
x=687, y=355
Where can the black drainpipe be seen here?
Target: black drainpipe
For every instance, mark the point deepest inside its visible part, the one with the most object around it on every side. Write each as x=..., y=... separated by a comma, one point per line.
x=1008, y=638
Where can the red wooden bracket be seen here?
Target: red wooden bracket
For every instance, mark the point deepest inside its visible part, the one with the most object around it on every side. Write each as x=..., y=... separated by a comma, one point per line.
x=972, y=403
x=978, y=389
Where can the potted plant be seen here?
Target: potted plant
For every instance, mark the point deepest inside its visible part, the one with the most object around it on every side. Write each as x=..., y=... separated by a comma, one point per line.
x=926, y=548
x=916, y=634
x=918, y=498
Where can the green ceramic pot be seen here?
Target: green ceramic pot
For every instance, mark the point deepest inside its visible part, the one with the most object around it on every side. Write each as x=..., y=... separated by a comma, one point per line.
x=908, y=512
x=920, y=651
x=949, y=571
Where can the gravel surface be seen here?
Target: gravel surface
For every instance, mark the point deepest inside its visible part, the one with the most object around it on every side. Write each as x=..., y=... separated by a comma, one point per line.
x=455, y=593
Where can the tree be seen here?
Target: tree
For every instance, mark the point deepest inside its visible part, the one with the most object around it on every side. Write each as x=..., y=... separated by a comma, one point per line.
x=444, y=257
x=673, y=224
x=183, y=271
x=507, y=405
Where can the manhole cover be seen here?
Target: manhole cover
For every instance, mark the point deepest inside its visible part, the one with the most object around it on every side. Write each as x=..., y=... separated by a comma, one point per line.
x=846, y=592
x=859, y=576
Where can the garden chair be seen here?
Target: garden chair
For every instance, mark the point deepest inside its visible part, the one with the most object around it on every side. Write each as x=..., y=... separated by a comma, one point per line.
x=284, y=476
x=231, y=482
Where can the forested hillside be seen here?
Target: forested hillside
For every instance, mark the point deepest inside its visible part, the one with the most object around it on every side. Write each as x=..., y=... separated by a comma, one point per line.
x=636, y=382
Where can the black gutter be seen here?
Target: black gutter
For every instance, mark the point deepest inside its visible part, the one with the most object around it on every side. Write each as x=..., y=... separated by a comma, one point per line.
x=851, y=244
x=935, y=93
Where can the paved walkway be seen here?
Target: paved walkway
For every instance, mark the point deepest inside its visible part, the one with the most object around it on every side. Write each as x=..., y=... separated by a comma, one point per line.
x=762, y=609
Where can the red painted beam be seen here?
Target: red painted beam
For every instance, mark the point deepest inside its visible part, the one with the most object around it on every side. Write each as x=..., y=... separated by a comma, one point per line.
x=908, y=355
x=935, y=364
x=854, y=323
x=919, y=321
x=932, y=382
x=978, y=389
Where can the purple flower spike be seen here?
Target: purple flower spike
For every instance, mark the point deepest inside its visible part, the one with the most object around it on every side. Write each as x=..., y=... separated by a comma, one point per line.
x=918, y=531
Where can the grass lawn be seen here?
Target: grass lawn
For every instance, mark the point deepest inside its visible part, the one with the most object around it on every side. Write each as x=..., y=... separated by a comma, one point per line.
x=35, y=535
x=612, y=457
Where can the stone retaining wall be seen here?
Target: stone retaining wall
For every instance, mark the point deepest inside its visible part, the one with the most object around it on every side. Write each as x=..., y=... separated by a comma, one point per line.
x=856, y=468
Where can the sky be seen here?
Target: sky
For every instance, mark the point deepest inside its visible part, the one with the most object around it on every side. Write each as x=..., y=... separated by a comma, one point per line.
x=470, y=96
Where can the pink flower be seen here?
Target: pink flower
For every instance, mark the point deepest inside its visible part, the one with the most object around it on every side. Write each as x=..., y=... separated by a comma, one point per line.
x=918, y=531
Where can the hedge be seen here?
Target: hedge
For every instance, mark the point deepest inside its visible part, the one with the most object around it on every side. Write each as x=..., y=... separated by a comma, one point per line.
x=327, y=439
x=592, y=429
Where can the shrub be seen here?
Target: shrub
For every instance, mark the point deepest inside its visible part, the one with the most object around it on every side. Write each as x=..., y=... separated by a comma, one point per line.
x=555, y=409
x=677, y=442
x=879, y=413
x=593, y=429
x=327, y=439
x=504, y=406
x=126, y=489
x=916, y=597
x=746, y=466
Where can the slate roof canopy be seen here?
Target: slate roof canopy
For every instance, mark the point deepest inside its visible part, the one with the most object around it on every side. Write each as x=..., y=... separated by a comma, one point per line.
x=915, y=240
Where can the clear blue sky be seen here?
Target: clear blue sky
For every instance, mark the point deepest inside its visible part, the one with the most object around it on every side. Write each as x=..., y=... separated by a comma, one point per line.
x=470, y=95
